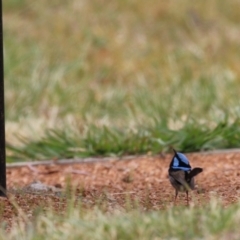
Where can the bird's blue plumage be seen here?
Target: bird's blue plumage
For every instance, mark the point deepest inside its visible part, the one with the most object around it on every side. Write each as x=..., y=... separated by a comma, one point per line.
x=180, y=162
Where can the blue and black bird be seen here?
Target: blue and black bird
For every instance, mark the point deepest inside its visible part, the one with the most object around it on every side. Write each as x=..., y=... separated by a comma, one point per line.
x=181, y=175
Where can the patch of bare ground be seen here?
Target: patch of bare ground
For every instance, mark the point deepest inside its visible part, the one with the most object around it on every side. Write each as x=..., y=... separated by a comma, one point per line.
x=112, y=183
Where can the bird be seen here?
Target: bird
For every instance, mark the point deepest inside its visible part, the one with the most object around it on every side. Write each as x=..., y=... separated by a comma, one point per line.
x=181, y=174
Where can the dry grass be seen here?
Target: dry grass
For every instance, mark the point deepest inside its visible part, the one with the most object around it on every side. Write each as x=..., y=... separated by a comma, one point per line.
x=120, y=64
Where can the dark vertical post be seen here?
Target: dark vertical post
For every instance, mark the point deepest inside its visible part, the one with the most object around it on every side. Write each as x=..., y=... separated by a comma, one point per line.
x=2, y=115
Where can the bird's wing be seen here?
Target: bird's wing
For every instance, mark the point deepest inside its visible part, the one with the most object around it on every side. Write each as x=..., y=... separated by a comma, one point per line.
x=179, y=176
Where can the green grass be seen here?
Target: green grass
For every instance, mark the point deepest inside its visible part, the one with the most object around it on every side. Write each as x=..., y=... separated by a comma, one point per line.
x=57, y=144
x=212, y=221
x=124, y=77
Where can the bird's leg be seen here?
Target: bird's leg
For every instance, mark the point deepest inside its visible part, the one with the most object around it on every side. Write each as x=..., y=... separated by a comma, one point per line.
x=176, y=194
x=187, y=197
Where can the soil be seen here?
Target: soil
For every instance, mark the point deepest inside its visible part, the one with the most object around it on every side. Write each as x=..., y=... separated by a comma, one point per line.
x=142, y=179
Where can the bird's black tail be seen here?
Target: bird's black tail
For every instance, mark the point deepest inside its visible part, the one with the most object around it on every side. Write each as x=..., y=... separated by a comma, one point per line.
x=195, y=172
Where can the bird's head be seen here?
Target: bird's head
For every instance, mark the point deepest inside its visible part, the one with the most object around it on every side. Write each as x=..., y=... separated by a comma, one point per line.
x=179, y=162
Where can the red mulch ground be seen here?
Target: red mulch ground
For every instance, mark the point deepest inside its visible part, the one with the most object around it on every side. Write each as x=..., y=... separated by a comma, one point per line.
x=143, y=179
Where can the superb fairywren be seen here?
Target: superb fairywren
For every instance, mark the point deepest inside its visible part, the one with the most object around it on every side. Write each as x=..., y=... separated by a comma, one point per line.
x=181, y=175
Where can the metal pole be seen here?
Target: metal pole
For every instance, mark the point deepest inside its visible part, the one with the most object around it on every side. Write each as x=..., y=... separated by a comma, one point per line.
x=2, y=115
